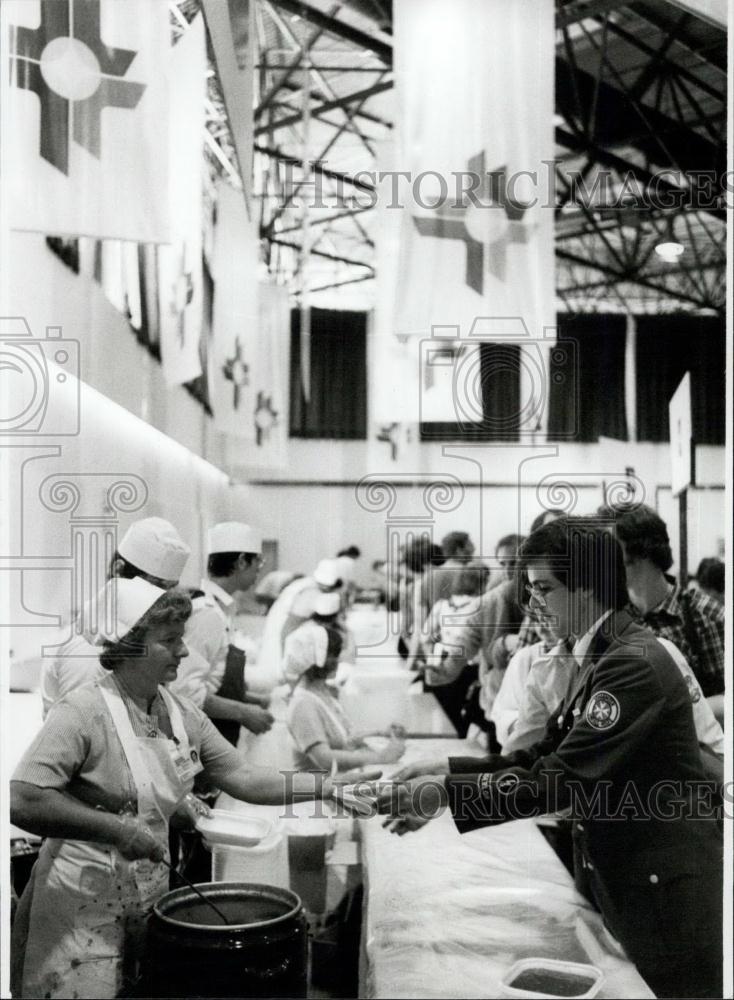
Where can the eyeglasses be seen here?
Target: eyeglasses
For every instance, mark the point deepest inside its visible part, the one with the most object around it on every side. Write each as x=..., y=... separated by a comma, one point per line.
x=539, y=590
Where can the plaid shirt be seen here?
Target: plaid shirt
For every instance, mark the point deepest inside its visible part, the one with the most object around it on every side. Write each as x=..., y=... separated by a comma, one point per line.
x=695, y=623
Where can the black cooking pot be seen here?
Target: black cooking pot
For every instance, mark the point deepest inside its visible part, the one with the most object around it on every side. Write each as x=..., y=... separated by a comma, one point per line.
x=262, y=952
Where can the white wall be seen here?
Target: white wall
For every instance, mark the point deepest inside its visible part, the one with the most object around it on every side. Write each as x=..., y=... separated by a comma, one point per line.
x=314, y=507
x=132, y=428
x=310, y=506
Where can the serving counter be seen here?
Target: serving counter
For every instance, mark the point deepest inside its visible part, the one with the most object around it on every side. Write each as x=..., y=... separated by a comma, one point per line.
x=447, y=915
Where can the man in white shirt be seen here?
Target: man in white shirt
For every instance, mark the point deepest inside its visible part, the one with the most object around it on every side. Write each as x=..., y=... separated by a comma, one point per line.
x=152, y=549
x=213, y=675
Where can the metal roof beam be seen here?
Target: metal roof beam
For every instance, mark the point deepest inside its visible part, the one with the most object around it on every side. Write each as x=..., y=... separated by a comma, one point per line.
x=334, y=175
x=341, y=29
x=323, y=253
x=338, y=102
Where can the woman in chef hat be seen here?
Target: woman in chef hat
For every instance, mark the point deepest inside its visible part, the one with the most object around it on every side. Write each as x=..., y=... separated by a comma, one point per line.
x=110, y=765
x=322, y=734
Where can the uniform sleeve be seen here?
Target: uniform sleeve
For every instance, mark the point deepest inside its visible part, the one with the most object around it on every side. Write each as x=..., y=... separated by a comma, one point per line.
x=306, y=725
x=58, y=751
x=625, y=703
x=207, y=636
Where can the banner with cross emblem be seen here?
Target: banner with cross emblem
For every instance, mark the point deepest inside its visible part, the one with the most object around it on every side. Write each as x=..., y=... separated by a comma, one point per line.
x=85, y=117
x=232, y=352
x=476, y=137
x=179, y=265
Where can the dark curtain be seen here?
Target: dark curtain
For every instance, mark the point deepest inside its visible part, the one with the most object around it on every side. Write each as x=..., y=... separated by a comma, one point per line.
x=337, y=407
x=499, y=384
x=667, y=348
x=586, y=393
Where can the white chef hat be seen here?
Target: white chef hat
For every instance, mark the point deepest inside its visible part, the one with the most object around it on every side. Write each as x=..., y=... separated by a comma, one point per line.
x=345, y=565
x=154, y=546
x=327, y=573
x=326, y=604
x=109, y=616
x=304, y=647
x=234, y=536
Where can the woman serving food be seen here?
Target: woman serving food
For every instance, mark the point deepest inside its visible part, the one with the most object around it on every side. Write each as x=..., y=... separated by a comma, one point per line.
x=323, y=735
x=112, y=763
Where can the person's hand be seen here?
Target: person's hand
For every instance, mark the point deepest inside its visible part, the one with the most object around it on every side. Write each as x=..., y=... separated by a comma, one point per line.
x=195, y=808
x=136, y=840
x=393, y=750
x=410, y=806
x=357, y=774
x=257, y=720
x=419, y=768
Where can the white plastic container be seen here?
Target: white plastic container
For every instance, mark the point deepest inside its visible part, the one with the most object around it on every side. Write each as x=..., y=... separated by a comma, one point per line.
x=232, y=829
x=545, y=971
x=266, y=863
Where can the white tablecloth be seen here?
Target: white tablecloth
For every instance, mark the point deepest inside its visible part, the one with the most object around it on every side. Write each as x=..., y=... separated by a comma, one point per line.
x=447, y=915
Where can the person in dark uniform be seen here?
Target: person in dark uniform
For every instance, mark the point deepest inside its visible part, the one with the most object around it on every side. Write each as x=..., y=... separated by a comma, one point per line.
x=622, y=753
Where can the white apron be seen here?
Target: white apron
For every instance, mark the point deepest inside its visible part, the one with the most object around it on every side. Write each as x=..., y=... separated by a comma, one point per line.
x=81, y=921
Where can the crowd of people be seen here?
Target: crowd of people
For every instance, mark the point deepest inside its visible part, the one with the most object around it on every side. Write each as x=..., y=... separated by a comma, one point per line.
x=152, y=708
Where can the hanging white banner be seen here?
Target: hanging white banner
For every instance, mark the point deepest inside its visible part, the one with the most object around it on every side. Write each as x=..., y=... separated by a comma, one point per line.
x=233, y=349
x=476, y=136
x=86, y=113
x=179, y=265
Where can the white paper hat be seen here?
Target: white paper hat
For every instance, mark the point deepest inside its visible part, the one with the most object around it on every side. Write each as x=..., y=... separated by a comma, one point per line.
x=233, y=536
x=304, y=648
x=119, y=606
x=326, y=604
x=156, y=548
x=327, y=573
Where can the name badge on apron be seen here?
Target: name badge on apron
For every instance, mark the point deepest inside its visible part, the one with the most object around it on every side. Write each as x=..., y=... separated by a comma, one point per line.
x=187, y=765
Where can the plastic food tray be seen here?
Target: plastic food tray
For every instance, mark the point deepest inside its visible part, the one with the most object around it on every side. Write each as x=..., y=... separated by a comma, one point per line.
x=553, y=969
x=233, y=829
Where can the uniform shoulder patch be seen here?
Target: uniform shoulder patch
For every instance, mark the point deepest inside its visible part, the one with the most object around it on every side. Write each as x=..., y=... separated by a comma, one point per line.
x=693, y=689
x=602, y=711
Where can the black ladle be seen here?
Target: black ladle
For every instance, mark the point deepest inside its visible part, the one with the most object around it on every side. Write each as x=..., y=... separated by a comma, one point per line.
x=198, y=891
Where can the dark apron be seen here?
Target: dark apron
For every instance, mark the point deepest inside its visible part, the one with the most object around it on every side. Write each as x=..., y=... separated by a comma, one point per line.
x=232, y=687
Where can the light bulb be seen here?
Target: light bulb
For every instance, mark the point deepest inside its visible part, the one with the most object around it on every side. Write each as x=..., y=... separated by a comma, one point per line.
x=669, y=251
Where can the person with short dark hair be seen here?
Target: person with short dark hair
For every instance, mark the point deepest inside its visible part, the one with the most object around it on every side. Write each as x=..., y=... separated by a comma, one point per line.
x=692, y=620
x=710, y=578
x=214, y=674
x=545, y=517
x=446, y=676
x=351, y=551
x=458, y=551
x=498, y=614
x=621, y=752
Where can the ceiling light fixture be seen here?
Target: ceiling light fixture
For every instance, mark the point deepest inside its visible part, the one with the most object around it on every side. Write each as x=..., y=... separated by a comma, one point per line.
x=670, y=251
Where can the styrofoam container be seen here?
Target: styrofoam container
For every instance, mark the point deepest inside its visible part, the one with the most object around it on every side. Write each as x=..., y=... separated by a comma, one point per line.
x=233, y=829
x=590, y=979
